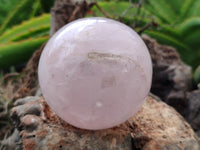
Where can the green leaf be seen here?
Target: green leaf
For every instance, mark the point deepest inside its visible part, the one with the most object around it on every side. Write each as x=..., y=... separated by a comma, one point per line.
x=18, y=14
x=37, y=9
x=195, y=10
x=5, y=7
x=186, y=8
x=16, y=53
x=197, y=75
x=175, y=5
x=193, y=39
x=25, y=27
x=168, y=30
x=161, y=10
x=33, y=33
x=188, y=26
x=116, y=9
x=46, y=5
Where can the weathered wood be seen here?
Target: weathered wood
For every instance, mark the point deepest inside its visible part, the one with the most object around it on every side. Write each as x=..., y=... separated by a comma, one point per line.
x=65, y=11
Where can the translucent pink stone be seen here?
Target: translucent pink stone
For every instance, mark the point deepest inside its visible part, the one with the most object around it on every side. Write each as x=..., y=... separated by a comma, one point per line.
x=95, y=73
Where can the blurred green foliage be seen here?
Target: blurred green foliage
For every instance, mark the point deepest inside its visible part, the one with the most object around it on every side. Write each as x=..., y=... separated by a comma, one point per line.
x=46, y=5
x=124, y=12
x=13, y=12
x=175, y=23
x=178, y=25
x=23, y=10
x=5, y=7
x=32, y=28
x=18, y=43
x=197, y=75
x=19, y=38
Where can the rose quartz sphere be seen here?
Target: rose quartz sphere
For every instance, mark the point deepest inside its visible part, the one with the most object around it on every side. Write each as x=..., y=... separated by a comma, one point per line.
x=95, y=73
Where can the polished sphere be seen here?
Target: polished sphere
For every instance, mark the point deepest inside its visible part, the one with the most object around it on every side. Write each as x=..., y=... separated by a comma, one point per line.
x=95, y=73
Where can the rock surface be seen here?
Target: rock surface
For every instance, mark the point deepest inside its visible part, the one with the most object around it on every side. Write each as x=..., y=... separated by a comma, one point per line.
x=156, y=126
x=193, y=112
x=172, y=79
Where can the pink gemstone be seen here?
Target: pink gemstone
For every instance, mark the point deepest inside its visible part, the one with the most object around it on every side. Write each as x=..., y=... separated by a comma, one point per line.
x=95, y=73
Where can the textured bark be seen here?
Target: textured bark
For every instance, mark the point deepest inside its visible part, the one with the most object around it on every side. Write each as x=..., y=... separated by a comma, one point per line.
x=29, y=83
x=156, y=126
x=65, y=11
x=172, y=79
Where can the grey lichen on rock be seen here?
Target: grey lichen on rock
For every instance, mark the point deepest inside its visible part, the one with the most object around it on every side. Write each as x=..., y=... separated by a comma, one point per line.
x=156, y=126
x=193, y=111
